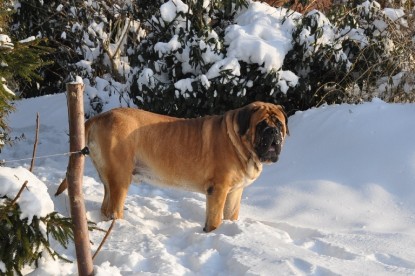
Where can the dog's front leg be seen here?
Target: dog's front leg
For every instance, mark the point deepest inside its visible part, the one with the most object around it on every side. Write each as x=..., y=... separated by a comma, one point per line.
x=233, y=204
x=215, y=202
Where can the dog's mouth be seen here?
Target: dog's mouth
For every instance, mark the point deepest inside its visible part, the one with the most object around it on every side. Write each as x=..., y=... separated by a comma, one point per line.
x=273, y=147
x=272, y=152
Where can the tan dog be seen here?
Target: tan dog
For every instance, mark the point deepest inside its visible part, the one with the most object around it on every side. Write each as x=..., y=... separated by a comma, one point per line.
x=217, y=155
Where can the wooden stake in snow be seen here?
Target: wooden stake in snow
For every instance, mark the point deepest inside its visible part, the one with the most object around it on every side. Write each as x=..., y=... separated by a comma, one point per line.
x=74, y=177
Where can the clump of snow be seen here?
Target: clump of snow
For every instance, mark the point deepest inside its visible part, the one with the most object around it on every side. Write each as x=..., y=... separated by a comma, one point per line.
x=34, y=201
x=394, y=14
x=146, y=78
x=168, y=47
x=261, y=35
x=397, y=15
x=4, y=38
x=4, y=83
x=209, y=55
x=184, y=85
x=6, y=42
x=77, y=80
x=86, y=65
x=355, y=34
x=366, y=6
x=29, y=39
x=170, y=9
x=59, y=8
x=380, y=25
x=231, y=64
x=205, y=81
x=287, y=79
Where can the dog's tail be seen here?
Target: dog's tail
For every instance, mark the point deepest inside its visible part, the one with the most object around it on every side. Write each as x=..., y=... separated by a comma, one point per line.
x=62, y=187
x=64, y=184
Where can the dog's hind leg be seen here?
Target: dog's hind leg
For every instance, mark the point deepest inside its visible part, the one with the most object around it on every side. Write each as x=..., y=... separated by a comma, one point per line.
x=105, y=207
x=116, y=182
x=116, y=192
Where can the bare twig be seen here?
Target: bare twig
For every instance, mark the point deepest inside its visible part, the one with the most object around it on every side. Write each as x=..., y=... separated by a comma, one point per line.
x=35, y=145
x=31, y=164
x=104, y=239
x=19, y=193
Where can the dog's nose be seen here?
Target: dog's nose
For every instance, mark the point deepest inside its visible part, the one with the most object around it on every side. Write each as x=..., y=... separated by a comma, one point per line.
x=271, y=130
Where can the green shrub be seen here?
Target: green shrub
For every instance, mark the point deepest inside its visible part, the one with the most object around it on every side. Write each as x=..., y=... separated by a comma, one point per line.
x=22, y=243
x=19, y=62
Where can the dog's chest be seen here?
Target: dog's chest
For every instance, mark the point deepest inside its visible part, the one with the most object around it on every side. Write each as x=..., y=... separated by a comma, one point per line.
x=252, y=173
x=243, y=184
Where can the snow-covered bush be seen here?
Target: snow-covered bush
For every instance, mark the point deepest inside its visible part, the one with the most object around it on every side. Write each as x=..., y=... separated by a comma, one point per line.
x=19, y=61
x=316, y=57
x=27, y=221
x=379, y=44
x=354, y=53
x=91, y=39
x=198, y=58
x=194, y=61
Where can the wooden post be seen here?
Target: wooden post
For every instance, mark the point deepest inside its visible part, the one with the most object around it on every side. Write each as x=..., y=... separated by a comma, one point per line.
x=74, y=177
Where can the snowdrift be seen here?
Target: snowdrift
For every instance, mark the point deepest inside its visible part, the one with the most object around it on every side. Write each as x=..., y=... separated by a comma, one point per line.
x=339, y=201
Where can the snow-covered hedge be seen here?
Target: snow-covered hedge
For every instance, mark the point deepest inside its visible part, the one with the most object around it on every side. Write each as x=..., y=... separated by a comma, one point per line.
x=89, y=38
x=271, y=54
x=194, y=57
x=194, y=63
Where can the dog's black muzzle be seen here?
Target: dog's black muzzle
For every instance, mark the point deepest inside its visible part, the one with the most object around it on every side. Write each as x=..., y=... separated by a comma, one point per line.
x=270, y=141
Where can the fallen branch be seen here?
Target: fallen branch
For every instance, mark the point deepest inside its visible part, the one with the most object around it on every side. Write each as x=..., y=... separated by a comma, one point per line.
x=104, y=239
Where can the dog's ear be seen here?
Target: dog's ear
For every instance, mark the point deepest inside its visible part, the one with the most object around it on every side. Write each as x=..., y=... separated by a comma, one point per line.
x=244, y=118
x=286, y=119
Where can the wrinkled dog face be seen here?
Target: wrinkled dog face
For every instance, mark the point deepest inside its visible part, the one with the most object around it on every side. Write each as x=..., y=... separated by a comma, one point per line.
x=268, y=141
x=265, y=127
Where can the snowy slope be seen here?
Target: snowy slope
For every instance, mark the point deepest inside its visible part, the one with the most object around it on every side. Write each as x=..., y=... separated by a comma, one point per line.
x=339, y=201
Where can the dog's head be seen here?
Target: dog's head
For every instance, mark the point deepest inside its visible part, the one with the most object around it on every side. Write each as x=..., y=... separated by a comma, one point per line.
x=264, y=126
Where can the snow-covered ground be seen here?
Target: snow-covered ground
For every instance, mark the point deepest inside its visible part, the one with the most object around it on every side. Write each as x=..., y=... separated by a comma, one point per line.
x=339, y=202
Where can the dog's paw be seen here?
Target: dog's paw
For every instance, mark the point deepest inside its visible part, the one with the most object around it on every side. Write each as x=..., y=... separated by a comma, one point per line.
x=207, y=229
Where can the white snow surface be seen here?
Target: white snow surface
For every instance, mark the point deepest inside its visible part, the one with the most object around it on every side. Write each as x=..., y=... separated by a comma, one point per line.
x=34, y=199
x=340, y=201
